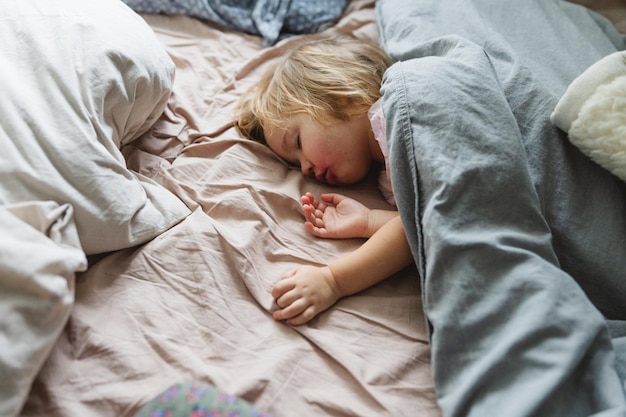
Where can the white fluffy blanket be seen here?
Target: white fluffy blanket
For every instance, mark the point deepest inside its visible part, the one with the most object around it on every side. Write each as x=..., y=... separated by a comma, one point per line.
x=593, y=113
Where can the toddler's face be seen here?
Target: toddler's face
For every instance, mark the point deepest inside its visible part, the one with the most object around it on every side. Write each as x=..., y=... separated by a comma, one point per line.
x=337, y=154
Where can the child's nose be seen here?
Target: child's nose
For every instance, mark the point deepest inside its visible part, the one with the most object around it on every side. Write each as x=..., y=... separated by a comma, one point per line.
x=307, y=167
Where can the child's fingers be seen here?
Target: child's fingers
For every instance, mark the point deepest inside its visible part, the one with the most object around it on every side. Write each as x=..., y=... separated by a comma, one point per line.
x=309, y=213
x=314, y=216
x=287, y=299
x=313, y=212
x=332, y=198
x=281, y=287
x=289, y=273
x=309, y=198
x=315, y=231
x=292, y=310
x=315, y=209
x=303, y=317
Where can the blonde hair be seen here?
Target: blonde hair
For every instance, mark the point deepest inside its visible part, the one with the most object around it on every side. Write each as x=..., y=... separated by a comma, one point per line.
x=332, y=79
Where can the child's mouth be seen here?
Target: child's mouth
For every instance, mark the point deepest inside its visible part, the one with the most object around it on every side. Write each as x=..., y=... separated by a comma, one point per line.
x=328, y=177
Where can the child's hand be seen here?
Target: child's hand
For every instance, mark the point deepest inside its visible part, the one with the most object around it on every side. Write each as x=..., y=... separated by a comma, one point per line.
x=335, y=216
x=303, y=293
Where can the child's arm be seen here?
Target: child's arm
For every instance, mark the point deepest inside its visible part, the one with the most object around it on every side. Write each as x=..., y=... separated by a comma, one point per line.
x=381, y=256
x=306, y=291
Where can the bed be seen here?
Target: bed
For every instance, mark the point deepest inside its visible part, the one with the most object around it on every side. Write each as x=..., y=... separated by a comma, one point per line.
x=141, y=235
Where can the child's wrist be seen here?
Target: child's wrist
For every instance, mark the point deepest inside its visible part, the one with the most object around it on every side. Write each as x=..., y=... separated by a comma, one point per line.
x=373, y=223
x=333, y=283
x=377, y=219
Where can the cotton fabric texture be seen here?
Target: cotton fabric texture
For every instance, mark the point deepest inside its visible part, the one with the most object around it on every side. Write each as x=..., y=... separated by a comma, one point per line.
x=593, y=113
x=271, y=19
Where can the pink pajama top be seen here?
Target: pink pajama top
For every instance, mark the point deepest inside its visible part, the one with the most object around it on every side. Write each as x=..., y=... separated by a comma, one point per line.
x=377, y=120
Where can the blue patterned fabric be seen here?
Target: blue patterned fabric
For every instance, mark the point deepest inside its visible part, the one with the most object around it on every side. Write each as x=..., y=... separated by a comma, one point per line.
x=271, y=19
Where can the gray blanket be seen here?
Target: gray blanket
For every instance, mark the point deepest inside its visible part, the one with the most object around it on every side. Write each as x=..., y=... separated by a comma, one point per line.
x=519, y=238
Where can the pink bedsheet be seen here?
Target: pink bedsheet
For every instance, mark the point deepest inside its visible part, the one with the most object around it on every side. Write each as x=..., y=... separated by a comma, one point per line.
x=195, y=303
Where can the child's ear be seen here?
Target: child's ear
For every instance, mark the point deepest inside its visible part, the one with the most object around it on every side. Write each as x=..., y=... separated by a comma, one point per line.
x=248, y=125
x=256, y=134
x=343, y=101
x=342, y=106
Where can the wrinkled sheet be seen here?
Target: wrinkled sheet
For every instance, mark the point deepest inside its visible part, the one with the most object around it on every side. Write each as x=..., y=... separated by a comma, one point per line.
x=195, y=303
x=519, y=238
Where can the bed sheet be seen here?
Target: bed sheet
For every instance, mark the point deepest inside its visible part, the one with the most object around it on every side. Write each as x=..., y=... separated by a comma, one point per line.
x=195, y=303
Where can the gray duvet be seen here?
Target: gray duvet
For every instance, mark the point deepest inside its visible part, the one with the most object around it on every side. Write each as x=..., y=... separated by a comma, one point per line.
x=520, y=239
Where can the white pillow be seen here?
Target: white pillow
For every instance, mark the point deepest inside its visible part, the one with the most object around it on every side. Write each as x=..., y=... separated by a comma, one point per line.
x=78, y=80
x=593, y=113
